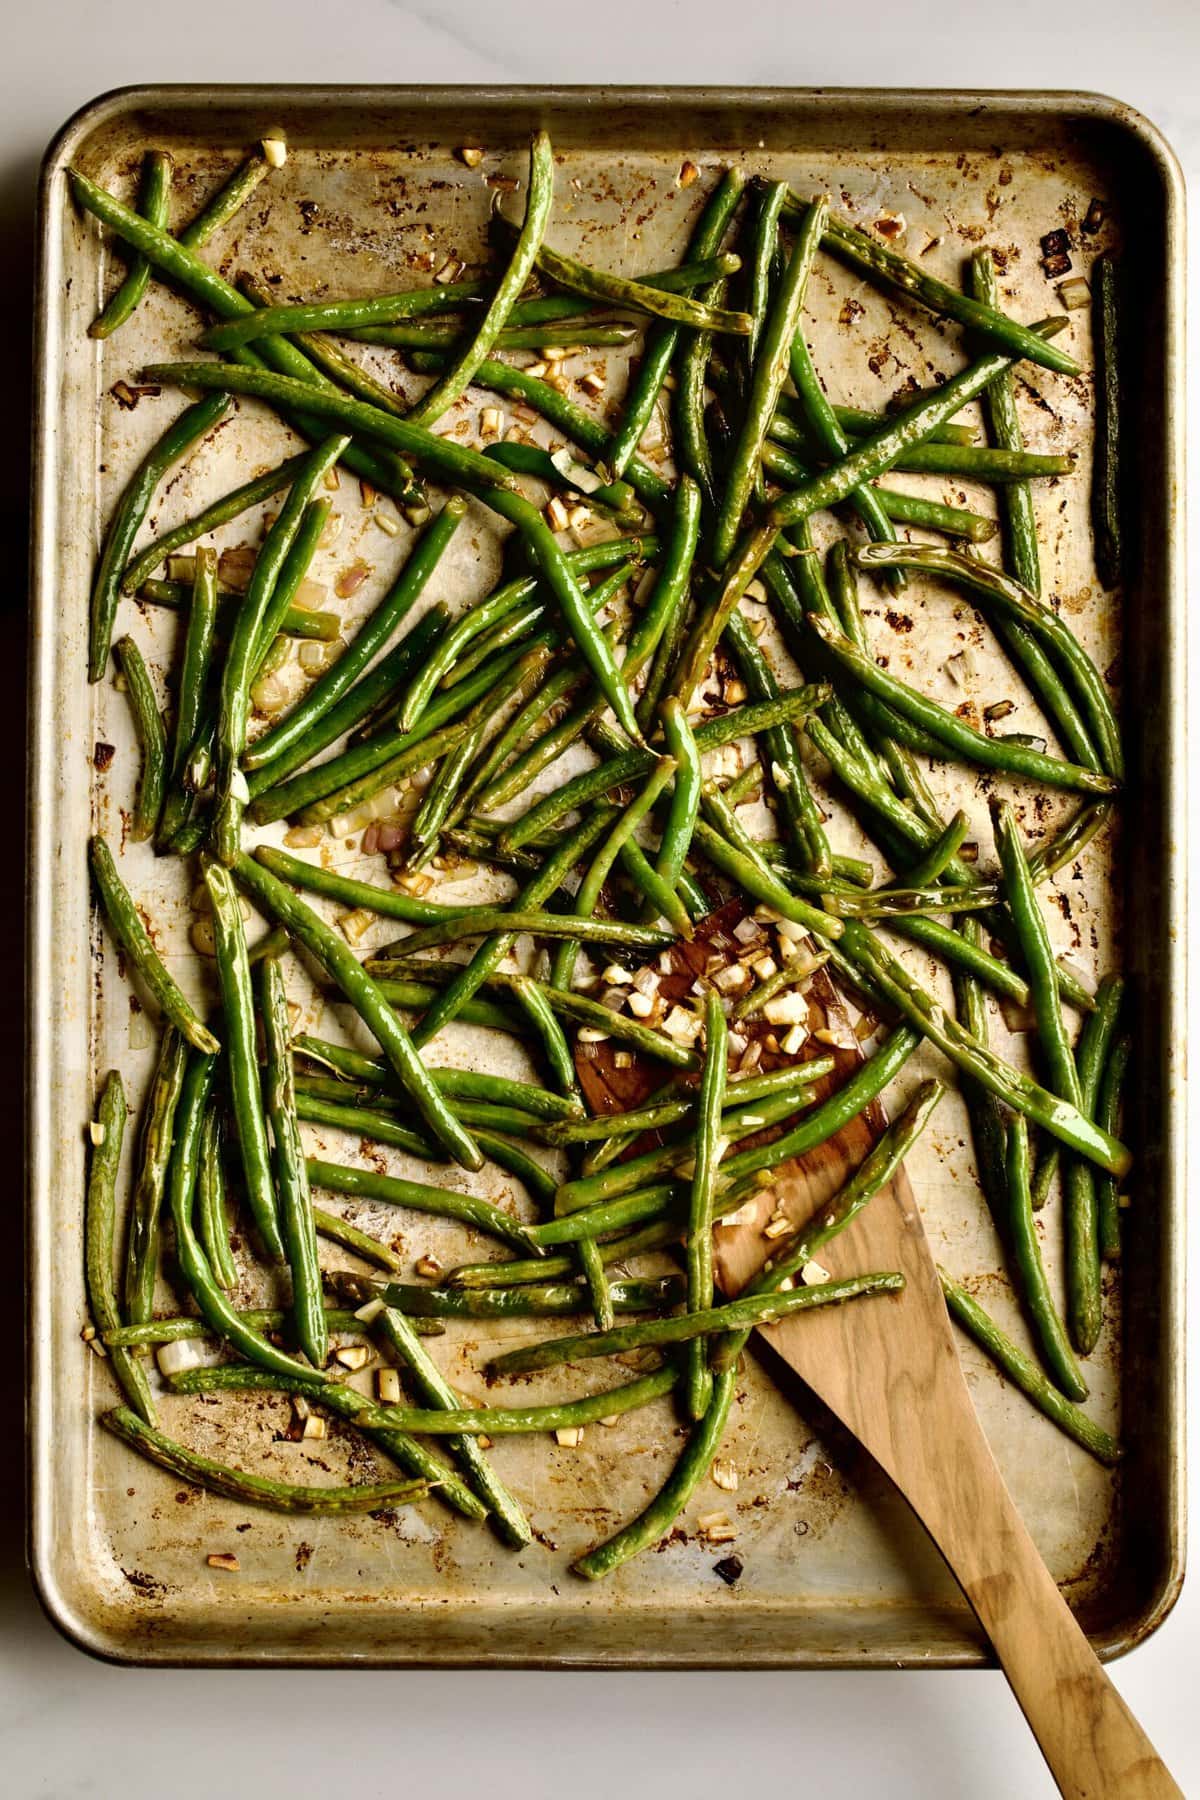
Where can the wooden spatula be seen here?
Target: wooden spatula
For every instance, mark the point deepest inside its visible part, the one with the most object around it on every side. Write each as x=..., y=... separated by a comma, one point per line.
x=889, y=1370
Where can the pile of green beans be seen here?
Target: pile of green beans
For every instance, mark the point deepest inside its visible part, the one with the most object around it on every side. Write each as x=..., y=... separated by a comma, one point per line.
x=662, y=970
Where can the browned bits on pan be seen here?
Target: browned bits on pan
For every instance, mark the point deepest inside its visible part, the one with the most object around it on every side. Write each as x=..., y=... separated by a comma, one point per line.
x=1094, y=217
x=687, y=174
x=102, y=756
x=730, y=1570
x=1056, y=254
x=223, y=1559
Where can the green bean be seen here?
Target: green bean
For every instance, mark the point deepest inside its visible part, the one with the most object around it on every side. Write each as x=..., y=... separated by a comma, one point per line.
x=498, y=945
x=131, y=934
x=654, y=1236
x=296, y=527
x=758, y=880
x=556, y=572
x=1038, y=952
x=526, y=252
x=552, y=1300
x=295, y=1205
x=588, y=432
x=416, y=996
x=802, y=816
x=341, y=315
x=188, y=1326
x=710, y=1147
x=1027, y=1255
x=347, y=1403
x=508, y=1519
x=255, y=1490
x=1012, y=600
x=754, y=1309
x=620, y=290
x=154, y=201
x=685, y=797
x=692, y=451
x=780, y=328
x=444, y=455
x=616, y=498
x=389, y=903
x=439, y=335
x=297, y=623
x=337, y=682
x=1082, y=1211
x=636, y=1171
x=553, y=743
x=904, y=509
x=417, y=1196
x=881, y=451
x=443, y=801
x=191, y=425
x=142, y=1243
x=767, y=252
x=532, y=999
x=656, y=1519
x=664, y=620
x=1057, y=1116
x=480, y=618
x=642, y=1205
x=618, y=771
x=888, y=268
x=1106, y=472
x=512, y=1120
x=383, y=1126
x=662, y=341
x=930, y=867
x=152, y=737
x=860, y=423
x=222, y=1318
x=99, y=1228
x=1024, y=1373
x=987, y=1119
x=468, y=1084
x=377, y=685
x=227, y=201
x=340, y=1231
x=343, y=968
x=237, y=994
x=498, y=1421
x=965, y=953
x=197, y=658
x=1108, y=1107
x=1000, y=408
x=596, y=1017
x=677, y=905
x=959, y=738
x=212, y=1216
x=588, y=895
x=831, y=438
x=712, y=617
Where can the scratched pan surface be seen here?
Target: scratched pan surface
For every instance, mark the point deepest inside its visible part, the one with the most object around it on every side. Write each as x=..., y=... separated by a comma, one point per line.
x=836, y=1573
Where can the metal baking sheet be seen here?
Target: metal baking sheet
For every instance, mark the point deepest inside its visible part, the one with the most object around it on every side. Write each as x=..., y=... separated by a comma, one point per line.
x=837, y=1572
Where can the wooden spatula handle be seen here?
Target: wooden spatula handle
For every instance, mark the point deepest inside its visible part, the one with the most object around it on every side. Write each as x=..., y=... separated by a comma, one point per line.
x=1090, y=1739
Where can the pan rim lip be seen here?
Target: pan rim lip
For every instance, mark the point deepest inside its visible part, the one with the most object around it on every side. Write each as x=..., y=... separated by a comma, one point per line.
x=1062, y=104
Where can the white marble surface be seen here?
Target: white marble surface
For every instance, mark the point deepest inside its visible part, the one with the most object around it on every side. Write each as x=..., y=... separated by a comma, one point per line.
x=70, y=1727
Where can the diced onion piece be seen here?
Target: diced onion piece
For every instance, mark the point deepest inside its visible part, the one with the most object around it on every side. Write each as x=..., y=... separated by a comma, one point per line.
x=186, y=1353
x=387, y=1386
x=354, y=925
x=813, y=1274
x=223, y=1559
x=576, y=472
x=353, y=1356
x=369, y=1312
x=351, y=579
x=314, y=656
x=471, y=155
x=794, y=1042
x=315, y=1427
x=724, y=1475
x=569, y=1436
x=786, y=1009
x=1074, y=293
x=274, y=148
